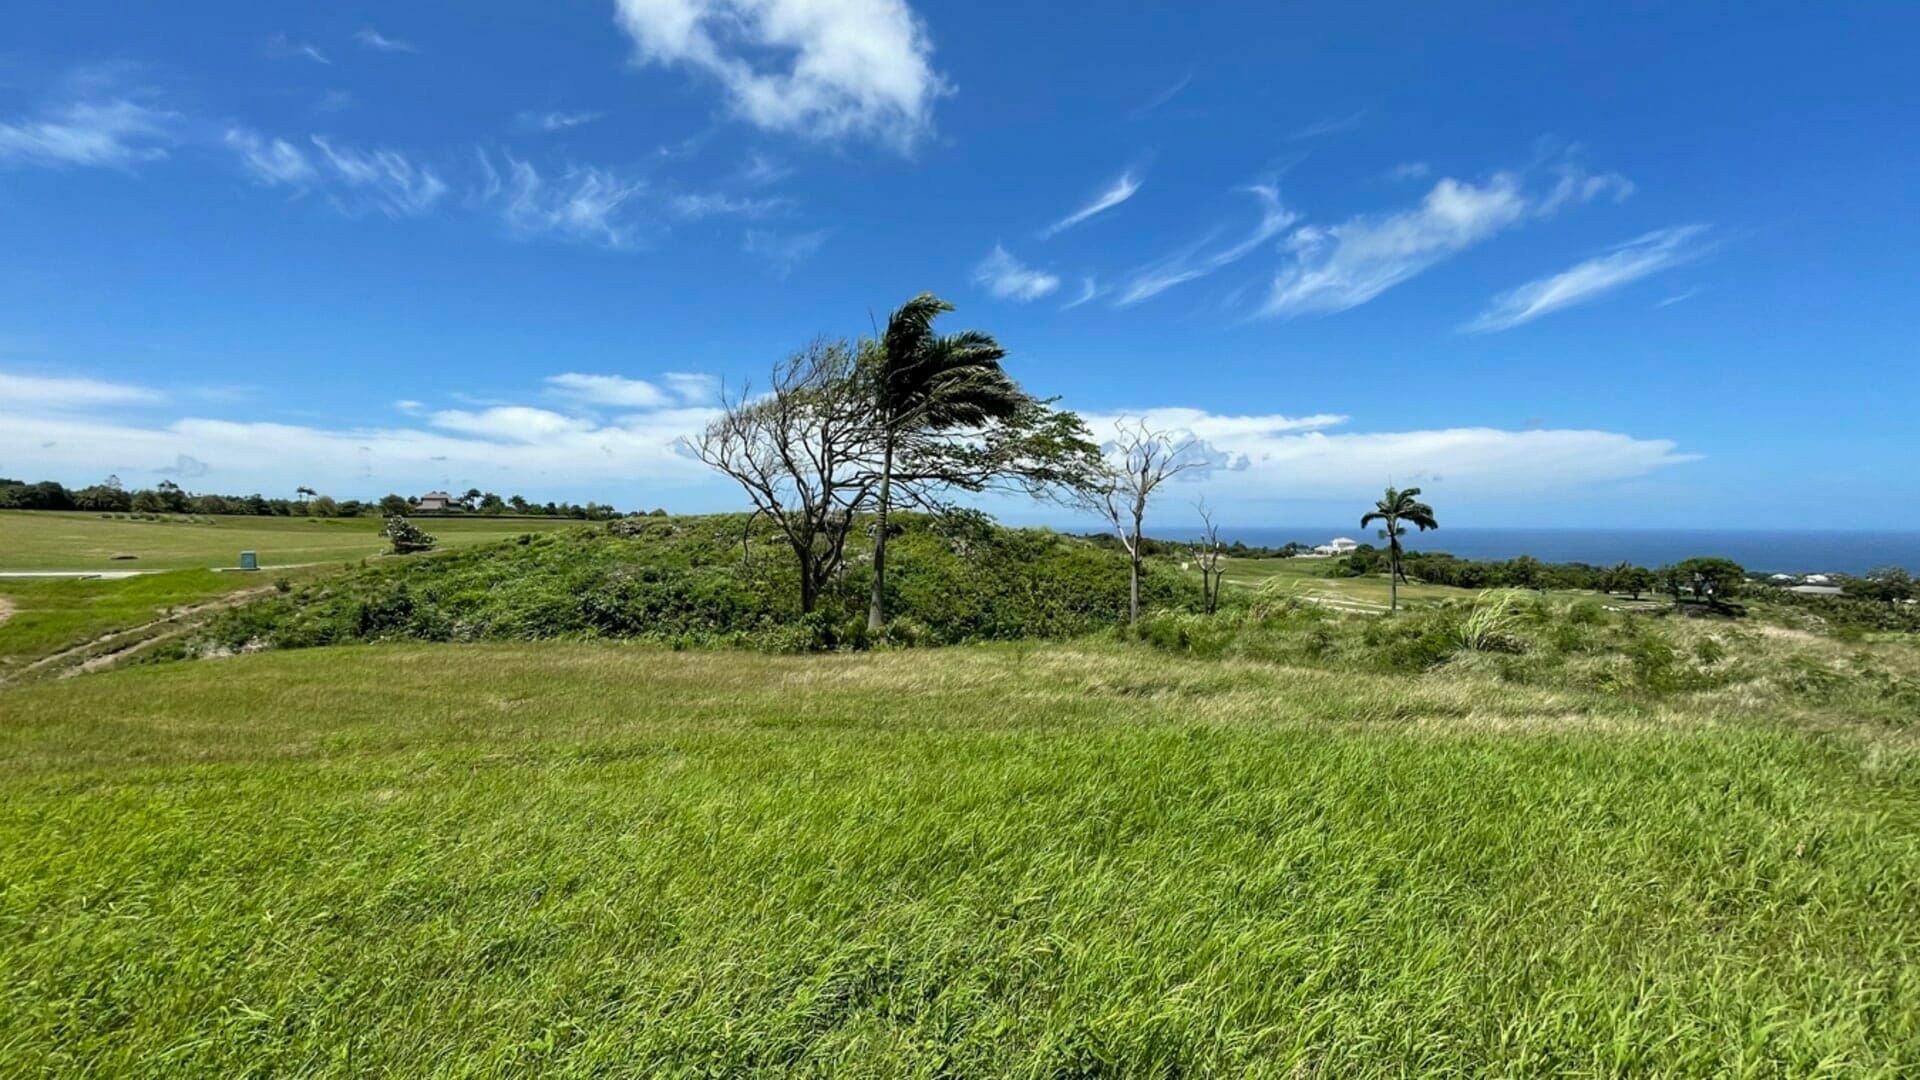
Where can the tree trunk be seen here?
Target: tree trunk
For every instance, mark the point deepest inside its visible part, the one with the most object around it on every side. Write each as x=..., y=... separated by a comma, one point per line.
x=1133, y=589
x=809, y=588
x=1393, y=581
x=876, y=603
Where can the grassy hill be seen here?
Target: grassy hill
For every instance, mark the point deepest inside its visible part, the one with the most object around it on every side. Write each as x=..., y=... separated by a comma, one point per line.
x=692, y=581
x=1068, y=860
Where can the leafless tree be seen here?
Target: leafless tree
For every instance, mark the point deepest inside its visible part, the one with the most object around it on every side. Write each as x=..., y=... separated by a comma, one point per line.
x=1135, y=464
x=803, y=454
x=1207, y=555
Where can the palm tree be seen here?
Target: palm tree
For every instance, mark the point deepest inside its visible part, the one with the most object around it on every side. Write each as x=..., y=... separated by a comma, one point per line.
x=926, y=384
x=1396, y=507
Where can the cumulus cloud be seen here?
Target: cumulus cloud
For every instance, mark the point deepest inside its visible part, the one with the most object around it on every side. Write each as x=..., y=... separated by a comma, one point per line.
x=1009, y=279
x=1122, y=189
x=1629, y=262
x=48, y=392
x=1336, y=267
x=611, y=390
x=116, y=133
x=521, y=445
x=1207, y=256
x=819, y=68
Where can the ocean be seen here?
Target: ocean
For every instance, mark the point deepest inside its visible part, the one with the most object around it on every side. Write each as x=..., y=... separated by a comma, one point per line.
x=1782, y=551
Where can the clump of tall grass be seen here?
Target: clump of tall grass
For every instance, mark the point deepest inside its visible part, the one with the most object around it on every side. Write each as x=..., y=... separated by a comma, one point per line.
x=1491, y=623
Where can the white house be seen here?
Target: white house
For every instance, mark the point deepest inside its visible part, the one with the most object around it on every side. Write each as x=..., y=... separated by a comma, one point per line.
x=436, y=500
x=1335, y=547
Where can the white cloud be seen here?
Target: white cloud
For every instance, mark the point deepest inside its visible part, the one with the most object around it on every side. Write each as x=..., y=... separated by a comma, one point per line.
x=1197, y=261
x=1337, y=267
x=1331, y=125
x=1089, y=290
x=272, y=161
x=515, y=423
x=41, y=392
x=1680, y=297
x=409, y=406
x=1168, y=94
x=696, y=206
x=374, y=39
x=783, y=251
x=584, y=203
x=693, y=388
x=1286, y=457
x=279, y=45
x=502, y=446
x=356, y=181
x=1119, y=191
x=611, y=390
x=116, y=134
x=1409, y=170
x=1007, y=278
x=386, y=179
x=556, y=121
x=820, y=68
x=1629, y=262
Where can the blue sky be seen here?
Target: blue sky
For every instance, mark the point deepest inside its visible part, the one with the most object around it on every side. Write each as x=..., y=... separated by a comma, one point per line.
x=1581, y=265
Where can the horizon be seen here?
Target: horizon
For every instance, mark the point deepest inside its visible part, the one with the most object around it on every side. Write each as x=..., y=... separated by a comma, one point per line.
x=1562, y=269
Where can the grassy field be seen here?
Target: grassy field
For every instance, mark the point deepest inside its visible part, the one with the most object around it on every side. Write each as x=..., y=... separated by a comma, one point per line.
x=45, y=615
x=1069, y=860
x=1313, y=579
x=40, y=540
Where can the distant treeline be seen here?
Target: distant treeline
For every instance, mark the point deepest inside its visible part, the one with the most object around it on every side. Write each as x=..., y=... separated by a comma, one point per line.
x=167, y=497
x=1176, y=548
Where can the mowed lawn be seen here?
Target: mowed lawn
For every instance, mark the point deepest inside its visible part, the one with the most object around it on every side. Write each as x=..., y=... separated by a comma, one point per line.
x=1069, y=860
x=45, y=540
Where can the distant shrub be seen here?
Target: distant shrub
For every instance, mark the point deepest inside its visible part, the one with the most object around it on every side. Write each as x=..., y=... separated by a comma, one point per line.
x=406, y=537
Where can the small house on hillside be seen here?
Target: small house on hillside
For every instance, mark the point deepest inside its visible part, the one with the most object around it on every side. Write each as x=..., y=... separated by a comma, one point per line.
x=1336, y=547
x=437, y=500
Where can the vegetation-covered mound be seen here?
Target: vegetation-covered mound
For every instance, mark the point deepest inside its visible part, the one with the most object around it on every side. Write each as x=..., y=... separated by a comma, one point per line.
x=708, y=581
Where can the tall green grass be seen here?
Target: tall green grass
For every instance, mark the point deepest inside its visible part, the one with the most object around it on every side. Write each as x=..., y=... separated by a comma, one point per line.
x=1089, y=860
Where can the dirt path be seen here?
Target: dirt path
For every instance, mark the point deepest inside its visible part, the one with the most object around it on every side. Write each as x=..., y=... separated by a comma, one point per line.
x=110, y=648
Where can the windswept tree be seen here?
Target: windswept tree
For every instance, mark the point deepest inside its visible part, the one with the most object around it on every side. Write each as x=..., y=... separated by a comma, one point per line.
x=1132, y=468
x=1395, y=511
x=948, y=417
x=803, y=452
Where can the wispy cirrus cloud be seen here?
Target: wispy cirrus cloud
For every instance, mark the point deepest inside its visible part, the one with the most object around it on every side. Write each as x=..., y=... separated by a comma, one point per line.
x=281, y=46
x=783, y=252
x=583, y=203
x=554, y=120
x=1009, y=279
x=856, y=68
x=1330, y=125
x=1123, y=188
x=1090, y=290
x=1333, y=268
x=1171, y=91
x=356, y=181
x=1591, y=279
x=1206, y=256
x=110, y=132
x=373, y=39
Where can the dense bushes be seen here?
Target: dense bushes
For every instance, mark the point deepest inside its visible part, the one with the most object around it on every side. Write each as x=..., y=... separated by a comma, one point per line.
x=694, y=581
